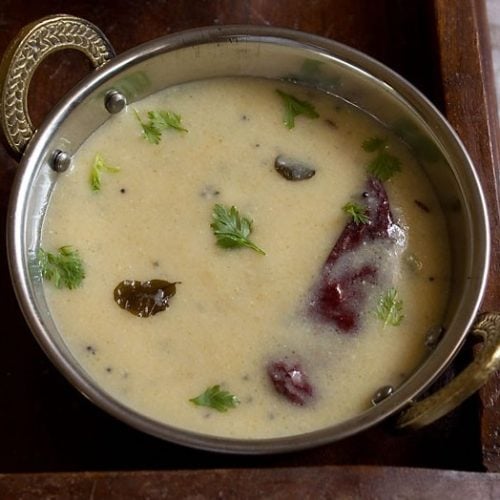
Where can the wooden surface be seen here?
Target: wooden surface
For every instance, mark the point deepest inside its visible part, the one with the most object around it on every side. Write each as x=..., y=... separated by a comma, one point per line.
x=469, y=103
x=302, y=483
x=45, y=425
x=493, y=11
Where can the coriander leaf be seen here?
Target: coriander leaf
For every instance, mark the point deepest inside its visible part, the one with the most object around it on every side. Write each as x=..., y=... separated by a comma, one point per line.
x=357, y=211
x=384, y=166
x=295, y=107
x=166, y=119
x=214, y=398
x=95, y=178
x=149, y=130
x=64, y=268
x=158, y=121
x=390, y=308
x=96, y=172
x=373, y=144
x=231, y=229
x=151, y=133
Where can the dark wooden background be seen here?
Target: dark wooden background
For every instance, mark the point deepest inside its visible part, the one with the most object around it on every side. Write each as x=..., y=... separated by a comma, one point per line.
x=441, y=46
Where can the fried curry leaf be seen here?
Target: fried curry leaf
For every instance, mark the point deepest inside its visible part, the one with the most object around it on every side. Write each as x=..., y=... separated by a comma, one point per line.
x=144, y=298
x=231, y=229
x=295, y=107
x=293, y=170
x=64, y=269
x=217, y=399
x=390, y=308
x=98, y=167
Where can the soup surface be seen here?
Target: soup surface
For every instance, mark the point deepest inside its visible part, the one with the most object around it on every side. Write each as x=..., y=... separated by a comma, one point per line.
x=138, y=204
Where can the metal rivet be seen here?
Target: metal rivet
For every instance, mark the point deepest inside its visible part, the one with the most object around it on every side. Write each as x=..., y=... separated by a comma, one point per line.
x=114, y=101
x=381, y=394
x=60, y=161
x=434, y=335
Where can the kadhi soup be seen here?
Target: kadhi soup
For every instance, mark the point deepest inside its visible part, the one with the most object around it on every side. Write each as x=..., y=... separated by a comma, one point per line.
x=245, y=258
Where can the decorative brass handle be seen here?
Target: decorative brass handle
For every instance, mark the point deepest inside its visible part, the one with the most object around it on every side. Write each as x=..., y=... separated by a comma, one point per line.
x=34, y=43
x=486, y=362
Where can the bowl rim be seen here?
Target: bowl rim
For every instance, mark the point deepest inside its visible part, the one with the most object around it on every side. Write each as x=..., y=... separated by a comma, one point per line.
x=359, y=62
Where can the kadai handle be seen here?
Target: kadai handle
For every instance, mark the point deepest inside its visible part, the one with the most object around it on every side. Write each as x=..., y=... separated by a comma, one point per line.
x=485, y=364
x=23, y=56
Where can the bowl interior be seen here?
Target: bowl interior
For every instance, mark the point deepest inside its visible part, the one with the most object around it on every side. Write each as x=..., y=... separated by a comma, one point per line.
x=275, y=54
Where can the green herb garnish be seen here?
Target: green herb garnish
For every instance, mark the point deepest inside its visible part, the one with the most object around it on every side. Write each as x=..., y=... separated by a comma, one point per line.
x=64, y=269
x=158, y=122
x=166, y=119
x=231, y=229
x=214, y=398
x=98, y=167
x=357, y=212
x=384, y=165
x=150, y=132
x=372, y=144
x=390, y=308
x=295, y=107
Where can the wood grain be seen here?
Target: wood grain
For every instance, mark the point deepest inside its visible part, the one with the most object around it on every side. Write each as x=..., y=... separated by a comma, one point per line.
x=470, y=105
x=45, y=425
x=246, y=484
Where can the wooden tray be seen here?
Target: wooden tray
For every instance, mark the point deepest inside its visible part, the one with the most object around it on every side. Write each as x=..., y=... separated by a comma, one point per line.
x=441, y=46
